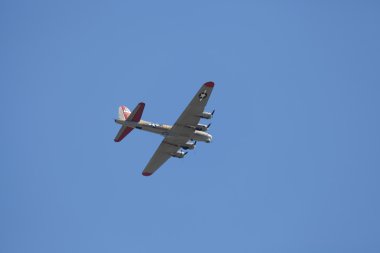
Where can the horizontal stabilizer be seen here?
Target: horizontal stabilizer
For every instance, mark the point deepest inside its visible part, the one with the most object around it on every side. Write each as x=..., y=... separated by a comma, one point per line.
x=134, y=116
x=124, y=131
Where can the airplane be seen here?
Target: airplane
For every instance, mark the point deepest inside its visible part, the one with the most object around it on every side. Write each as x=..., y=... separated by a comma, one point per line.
x=183, y=135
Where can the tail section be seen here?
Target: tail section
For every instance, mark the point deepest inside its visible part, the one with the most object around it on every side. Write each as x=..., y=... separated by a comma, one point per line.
x=124, y=131
x=136, y=114
x=126, y=115
x=124, y=112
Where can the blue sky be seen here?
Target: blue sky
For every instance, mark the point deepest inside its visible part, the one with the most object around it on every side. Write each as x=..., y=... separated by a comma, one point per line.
x=294, y=164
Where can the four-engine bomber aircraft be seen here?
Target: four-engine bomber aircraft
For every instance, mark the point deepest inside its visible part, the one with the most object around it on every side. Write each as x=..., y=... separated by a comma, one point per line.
x=184, y=134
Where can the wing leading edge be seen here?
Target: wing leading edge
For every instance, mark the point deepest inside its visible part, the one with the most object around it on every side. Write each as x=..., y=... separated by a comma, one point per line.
x=180, y=133
x=192, y=114
x=162, y=154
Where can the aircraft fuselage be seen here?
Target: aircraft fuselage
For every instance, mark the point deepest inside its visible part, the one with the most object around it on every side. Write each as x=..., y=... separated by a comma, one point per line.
x=163, y=129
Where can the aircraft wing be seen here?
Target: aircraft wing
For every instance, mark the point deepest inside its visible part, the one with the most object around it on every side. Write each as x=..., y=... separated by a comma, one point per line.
x=170, y=145
x=192, y=114
x=161, y=155
x=181, y=131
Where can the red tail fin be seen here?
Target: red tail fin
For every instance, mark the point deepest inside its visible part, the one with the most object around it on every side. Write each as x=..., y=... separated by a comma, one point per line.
x=124, y=112
x=126, y=115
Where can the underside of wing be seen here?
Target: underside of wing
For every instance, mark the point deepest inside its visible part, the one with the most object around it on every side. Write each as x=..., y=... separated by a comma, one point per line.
x=162, y=154
x=182, y=130
x=191, y=116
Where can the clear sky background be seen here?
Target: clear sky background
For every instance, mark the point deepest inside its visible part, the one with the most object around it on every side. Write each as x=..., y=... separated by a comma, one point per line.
x=294, y=164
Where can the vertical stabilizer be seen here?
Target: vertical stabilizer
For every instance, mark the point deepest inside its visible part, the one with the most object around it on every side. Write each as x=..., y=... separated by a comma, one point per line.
x=126, y=115
x=124, y=112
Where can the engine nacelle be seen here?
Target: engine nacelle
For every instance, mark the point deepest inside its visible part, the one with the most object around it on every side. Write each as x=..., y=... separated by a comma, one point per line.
x=189, y=145
x=179, y=154
x=201, y=127
x=206, y=115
